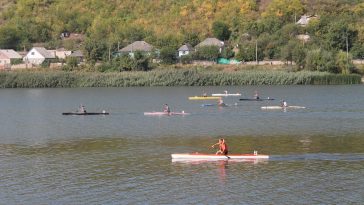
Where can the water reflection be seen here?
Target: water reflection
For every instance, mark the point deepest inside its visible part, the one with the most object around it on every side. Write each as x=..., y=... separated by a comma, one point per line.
x=199, y=161
x=221, y=166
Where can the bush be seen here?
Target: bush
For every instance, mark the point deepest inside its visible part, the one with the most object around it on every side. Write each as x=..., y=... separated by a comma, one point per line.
x=186, y=59
x=210, y=53
x=320, y=60
x=168, y=55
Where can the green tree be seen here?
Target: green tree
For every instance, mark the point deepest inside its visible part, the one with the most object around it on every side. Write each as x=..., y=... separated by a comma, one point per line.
x=133, y=33
x=9, y=38
x=191, y=38
x=358, y=51
x=344, y=63
x=320, y=60
x=288, y=51
x=94, y=50
x=221, y=30
x=247, y=52
x=141, y=61
x=284, y=9
x=186, y=59
x=227, y=52
x=168, y=55
x=210, y=53
x=299, y=56
x=72, y=62
x=126, y=63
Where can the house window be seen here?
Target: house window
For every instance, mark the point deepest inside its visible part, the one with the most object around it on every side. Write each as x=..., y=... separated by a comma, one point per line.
x=32, y=53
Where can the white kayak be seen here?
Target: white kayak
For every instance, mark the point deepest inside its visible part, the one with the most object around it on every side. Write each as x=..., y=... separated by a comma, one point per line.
x=166, y=113
x=200, y=156
x=226, y=94
x=280, y=107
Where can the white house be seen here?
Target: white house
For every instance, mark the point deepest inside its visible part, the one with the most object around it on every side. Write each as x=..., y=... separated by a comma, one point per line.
x=38, y=55
x=185, y=50
x=140, y=46
x=4, y=61
x=7, y=56
x=303, y=37
x=78, y=55
x=304, y=20
x=211, y=42
x=60, y=53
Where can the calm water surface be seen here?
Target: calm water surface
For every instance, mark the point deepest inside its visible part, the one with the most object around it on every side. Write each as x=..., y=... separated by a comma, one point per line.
x=317, y=153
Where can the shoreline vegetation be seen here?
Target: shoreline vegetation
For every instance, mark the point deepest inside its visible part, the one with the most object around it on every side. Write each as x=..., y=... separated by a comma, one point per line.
x=171, y=77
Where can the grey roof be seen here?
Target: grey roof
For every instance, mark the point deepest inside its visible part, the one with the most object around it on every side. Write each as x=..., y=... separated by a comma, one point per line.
x=77, y=53
x=137, y=46
x=186, y=47
x=305, y=19
x=211, y=42
x=44, y=52
x=10, y=53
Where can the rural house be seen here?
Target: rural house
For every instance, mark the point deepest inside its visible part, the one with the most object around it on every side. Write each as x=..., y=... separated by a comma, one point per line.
x=60, y=53
x=7, y=57
x=185, y=50
x=140, y=46
x=303, y=37
x=78, y=55
x=304, y=20
x=211, y=42
x=38, y=55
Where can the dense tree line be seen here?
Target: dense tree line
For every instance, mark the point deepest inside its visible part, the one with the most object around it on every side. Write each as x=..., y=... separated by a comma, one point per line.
x=247, y=26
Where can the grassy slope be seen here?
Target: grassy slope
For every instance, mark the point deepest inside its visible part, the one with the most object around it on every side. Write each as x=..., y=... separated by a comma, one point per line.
x=4, y=4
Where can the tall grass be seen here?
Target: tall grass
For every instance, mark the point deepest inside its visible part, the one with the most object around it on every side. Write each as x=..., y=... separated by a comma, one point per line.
x=183, y=77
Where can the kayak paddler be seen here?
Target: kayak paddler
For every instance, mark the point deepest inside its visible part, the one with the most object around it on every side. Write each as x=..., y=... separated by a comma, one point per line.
x=166, y=108
x=256, y=95
x=82, y=109
x=220, y=102
x=284, y=103
x=204, y=94
x=223, y=148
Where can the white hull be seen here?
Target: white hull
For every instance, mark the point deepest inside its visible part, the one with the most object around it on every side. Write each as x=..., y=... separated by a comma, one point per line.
x=279, y=107
x=165, y=113
x=197, y=156
x=226, y=95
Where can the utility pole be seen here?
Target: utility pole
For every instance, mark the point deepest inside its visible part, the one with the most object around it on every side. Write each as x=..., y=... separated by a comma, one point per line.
x=347, y=52
x=295, y=17
x=109, y=52
x=256, y=51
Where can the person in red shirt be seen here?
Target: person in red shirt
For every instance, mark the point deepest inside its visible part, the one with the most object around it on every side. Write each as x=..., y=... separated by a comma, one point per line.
x=223, y=148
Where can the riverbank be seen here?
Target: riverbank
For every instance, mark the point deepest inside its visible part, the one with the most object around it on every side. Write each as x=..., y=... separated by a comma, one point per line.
x=175, y=77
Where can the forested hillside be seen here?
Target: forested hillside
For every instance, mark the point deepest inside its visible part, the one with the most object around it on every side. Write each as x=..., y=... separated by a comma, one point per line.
x=108, y=24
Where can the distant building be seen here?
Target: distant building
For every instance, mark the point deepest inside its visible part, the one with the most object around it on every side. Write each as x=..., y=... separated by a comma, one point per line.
x=211, y=42
x=7, y=56
x=304, y=20
x=140, y=46
x=38, y=55
x=303, y=37
x=65, y=34
x=78, y=55
x=60, y=53
x=185, y=50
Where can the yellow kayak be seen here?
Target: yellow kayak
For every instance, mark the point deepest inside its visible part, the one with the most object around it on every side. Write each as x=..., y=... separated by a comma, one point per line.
x=204, y=98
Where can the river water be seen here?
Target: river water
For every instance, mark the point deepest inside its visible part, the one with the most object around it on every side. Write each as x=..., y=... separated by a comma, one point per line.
x=317, y=153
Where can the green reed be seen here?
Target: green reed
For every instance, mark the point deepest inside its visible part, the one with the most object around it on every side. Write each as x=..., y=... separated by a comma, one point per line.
x=175, y=77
